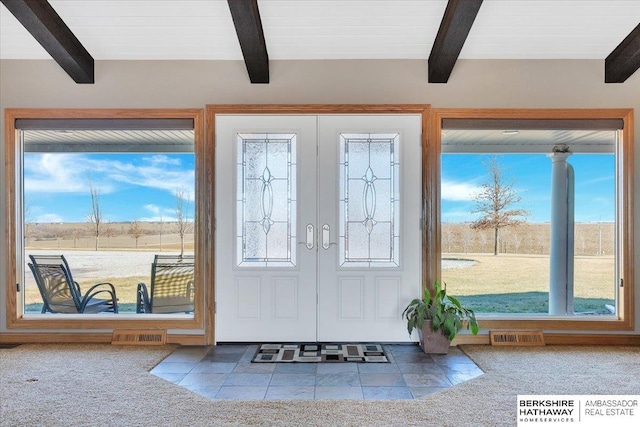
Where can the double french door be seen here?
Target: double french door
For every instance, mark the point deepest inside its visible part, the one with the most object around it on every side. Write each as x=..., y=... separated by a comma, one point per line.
x=317, y=226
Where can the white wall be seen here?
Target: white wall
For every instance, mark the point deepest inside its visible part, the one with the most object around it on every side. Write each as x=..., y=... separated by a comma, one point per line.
x=193, y=84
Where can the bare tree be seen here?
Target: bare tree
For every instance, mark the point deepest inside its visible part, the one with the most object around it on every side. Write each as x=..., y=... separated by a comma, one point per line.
x=495, y=202
x=136, y=231
x=581, y=240
x=468, y=237
x=483, y=240
x=541, y=240
x=110, y=231
x=27, y=212
x=75, y=233
x=516, y=240
x=447, y=237
x=503, y=246
x=95, y=217
x=161, y=224
x=182, y=217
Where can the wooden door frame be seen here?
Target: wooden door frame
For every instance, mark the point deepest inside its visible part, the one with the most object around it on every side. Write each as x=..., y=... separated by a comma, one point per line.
x=212, y=110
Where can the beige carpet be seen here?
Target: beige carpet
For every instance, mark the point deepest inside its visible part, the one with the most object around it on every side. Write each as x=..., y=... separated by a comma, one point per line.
x=103, y=385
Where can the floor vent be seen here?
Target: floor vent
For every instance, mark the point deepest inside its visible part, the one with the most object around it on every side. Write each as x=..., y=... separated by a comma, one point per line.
x=139, y=337
x=8, y=346
x=517, y=338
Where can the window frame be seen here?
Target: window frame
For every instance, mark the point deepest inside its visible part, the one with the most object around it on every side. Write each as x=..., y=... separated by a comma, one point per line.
x=624, y=320
x=15, y=318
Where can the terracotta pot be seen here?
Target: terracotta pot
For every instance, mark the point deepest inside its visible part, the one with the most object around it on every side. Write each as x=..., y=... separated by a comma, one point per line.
x=433, y=342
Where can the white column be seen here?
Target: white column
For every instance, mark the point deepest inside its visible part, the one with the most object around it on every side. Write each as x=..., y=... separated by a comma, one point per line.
x=561, y=267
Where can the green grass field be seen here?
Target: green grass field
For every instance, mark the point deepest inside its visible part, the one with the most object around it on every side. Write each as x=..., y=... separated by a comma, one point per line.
x=520, y=283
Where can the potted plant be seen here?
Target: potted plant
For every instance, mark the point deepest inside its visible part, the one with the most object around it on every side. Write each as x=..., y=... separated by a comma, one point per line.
x=438, y=317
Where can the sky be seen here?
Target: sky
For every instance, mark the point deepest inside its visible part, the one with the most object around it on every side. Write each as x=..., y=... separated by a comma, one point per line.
x=131, y=186
x=464, y=174
x=143, y=186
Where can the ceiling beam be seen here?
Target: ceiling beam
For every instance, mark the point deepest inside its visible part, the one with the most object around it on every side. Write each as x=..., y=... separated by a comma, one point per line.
x=454, y=29
x=624, y=60
x=46, y=26
x=246, y=18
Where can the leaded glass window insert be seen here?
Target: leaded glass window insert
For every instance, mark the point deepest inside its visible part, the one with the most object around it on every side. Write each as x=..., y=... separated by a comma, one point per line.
x=266, y=201
x=369, y=200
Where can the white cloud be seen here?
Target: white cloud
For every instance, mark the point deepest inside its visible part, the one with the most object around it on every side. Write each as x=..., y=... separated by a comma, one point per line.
x=162, y=219
x=159, y=159
x=48, y=218
x=601, y=201
x=159, y=214
x=459, y=191
x=152, y=175
x=70, y=172
x=597, y=180
x=153, y=209
x=55, y=173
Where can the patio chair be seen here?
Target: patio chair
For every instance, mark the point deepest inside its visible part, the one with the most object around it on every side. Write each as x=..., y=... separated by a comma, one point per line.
x=171, y=286
x=61, y=294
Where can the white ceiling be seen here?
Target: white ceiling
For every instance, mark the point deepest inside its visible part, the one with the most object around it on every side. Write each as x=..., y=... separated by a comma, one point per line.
x=527, y=141
x=108, y=141
x=331, y=29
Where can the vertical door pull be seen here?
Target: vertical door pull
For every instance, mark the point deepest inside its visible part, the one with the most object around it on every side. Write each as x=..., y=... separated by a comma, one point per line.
x=326, y=237
x=310, y=236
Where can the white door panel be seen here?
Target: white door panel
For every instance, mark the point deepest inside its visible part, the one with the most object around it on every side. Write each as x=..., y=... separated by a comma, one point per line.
x=369, y=193
x=326, y=246
x=265, y=274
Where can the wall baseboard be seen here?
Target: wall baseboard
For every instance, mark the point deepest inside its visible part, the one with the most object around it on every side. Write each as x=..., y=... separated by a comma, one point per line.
x=183, y=339
x=591, y=339
x=561, y=339
x=94, y=338
x=471, y=339
x=54, y=338
x=195, y=340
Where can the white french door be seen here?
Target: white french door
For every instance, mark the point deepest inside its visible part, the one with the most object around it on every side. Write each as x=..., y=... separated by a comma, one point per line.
x=265, y=197
x=317, y=226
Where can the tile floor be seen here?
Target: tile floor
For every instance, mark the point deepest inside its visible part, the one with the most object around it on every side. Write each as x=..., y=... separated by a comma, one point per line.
x=226, y=372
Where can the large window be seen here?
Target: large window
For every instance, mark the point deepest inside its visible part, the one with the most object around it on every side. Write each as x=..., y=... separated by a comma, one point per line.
x=534, y=218
x=106, y=197
x=497, y=256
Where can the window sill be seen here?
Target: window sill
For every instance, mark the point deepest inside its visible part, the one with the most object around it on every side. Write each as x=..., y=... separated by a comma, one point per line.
x=106, y=321
x=574, y=323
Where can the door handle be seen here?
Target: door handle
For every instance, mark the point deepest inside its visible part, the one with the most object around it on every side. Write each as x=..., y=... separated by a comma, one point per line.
x=326, y=237
x=310, y=243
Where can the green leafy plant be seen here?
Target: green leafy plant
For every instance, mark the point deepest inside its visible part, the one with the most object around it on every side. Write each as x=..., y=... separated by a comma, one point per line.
x=445, y=312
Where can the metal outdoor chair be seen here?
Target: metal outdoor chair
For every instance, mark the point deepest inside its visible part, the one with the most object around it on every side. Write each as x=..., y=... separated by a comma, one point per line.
x=61, y=294
x=171, y=286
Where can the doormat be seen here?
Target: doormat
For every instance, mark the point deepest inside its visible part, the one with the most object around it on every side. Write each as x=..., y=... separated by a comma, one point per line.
x=321, y=353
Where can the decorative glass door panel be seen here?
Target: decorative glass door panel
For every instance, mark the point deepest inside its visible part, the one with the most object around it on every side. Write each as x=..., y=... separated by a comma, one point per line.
x=266, y=201
x=369, y=200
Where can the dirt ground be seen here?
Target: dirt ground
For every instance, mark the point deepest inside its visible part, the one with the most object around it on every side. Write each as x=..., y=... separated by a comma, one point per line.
x=92, y=264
